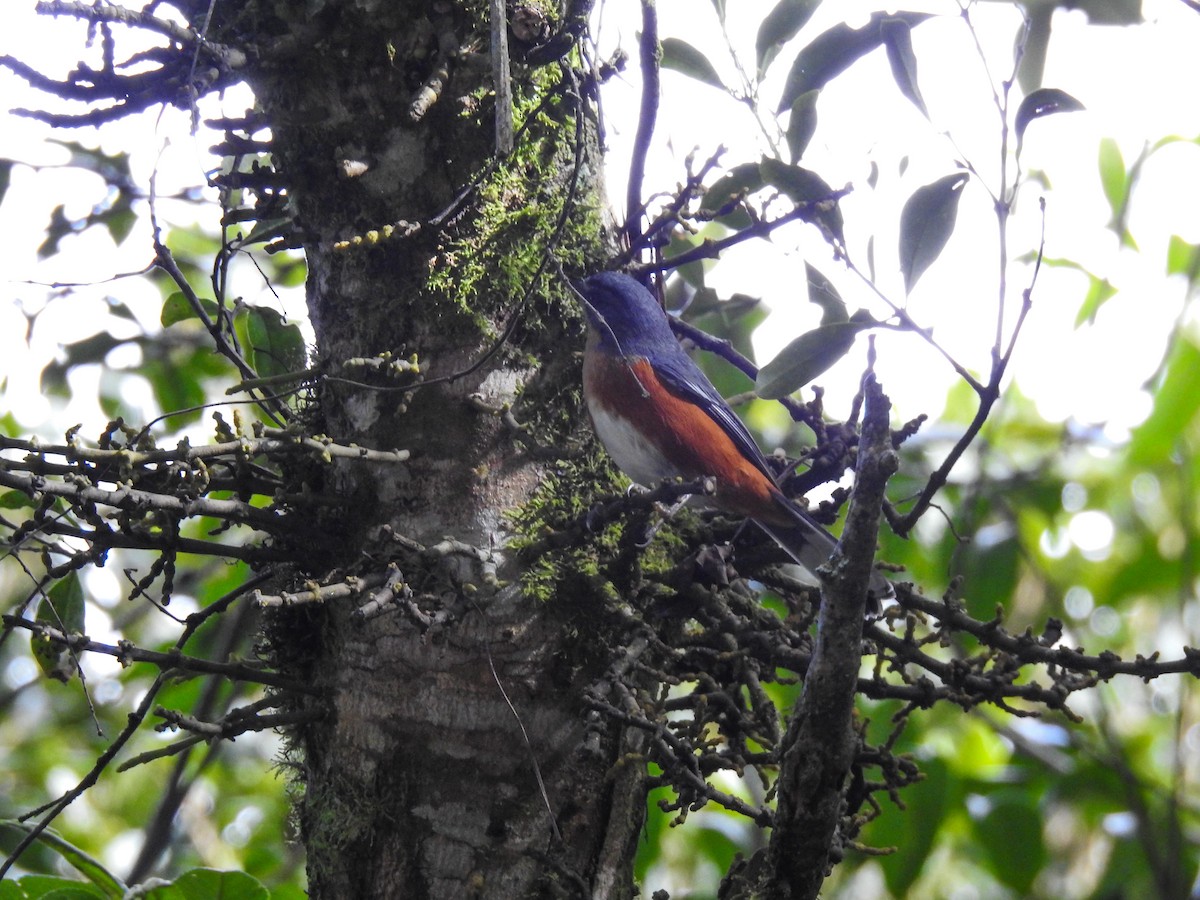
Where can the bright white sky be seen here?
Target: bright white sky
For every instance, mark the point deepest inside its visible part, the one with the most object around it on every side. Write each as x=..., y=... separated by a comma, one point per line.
x=1137, y=87
x=1136, y=84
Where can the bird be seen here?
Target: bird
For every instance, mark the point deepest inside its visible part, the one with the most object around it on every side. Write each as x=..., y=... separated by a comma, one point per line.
x=659, y=417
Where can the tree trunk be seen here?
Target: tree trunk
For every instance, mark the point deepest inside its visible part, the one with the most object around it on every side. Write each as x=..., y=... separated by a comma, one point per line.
x=422, y=779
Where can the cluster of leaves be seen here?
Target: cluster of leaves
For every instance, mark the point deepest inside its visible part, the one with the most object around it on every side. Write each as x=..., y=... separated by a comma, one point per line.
x=153, y=514
x=985, y=800
x=722, y=677
x=711, y=675
x=126, y=503
x=101, y=884
x=927, y=218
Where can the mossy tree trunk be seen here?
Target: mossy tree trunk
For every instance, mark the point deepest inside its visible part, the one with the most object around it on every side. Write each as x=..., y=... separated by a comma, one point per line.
x=420, y=781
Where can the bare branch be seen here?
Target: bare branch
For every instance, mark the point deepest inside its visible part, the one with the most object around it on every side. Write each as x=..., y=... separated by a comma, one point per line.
x=52, y=810
x=126, y=653
x=648, y=54
x=819, y=747
x=186, y=37
x=176, y=79
x=1030, y=649
x=142, y=501
x=275, y=441
x=315, y=593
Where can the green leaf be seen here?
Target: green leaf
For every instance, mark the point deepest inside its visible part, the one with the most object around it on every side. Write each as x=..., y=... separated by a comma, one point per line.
x=177, y=308
x=1176, y=403
x=741, y=181
x=1118, y=182
x=649, y=849
x=713, y=846
x=1043, y=102
x=176, y=385
x=267, y=230
x=683, y=57
x=114, y=168
x=897, y=39
x=691, y=274
x=50, y=887
x=114, y=212
x=926, y=223
x=1127, y=873
x=120, y=310
x=1183, y=258
x=1172, y=139
x=1100, y=291
x=822, y=292
x=289, y=272
x=834, y=51
x=60, y=226
x=1011, y=837
x=912, y=830
x=802, y=124
x=807, y=357
x=210, y=884
x=1114, y=177
x=272, y=345
x=989, y=573
x=92, y=349
x=15, y=500
x=107, y=883
x=981, y=754
x=61, y=608
x=803, y=186
x=163, y=892
x=1035, y=41
x=118, y=217
x=707, y=301
x=6, y=167
x=1112, y=12
x=736, y=319
x=780, y=25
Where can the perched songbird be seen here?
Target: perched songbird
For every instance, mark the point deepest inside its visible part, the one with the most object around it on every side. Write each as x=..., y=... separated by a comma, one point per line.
x=659, y=417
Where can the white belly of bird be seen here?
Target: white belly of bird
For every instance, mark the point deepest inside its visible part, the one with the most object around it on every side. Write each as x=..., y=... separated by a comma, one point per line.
x=633, y=454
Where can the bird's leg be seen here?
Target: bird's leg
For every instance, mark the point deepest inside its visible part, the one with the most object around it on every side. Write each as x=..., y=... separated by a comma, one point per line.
x=665, y=514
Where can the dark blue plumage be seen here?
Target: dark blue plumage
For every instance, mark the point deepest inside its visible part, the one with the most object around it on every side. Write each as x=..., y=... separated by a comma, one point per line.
x=659, y=417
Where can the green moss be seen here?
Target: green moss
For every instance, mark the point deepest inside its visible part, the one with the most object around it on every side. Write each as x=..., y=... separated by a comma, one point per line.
x=337, y=816
x=551, y=557
x=563, y=562
x=487, y=266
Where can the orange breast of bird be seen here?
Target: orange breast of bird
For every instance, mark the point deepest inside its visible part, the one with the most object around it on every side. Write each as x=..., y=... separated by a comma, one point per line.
x=627, y=398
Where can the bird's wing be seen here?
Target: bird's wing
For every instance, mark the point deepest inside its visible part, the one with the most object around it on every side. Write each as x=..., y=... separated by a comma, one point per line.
x=808, y=542
x=681, y=375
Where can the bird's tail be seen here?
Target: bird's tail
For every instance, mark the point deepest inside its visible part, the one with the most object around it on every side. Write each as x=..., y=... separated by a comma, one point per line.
x=810, y=545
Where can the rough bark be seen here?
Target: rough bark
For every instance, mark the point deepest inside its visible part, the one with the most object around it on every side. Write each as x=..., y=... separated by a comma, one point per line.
x=420, y=782
x=820, y=744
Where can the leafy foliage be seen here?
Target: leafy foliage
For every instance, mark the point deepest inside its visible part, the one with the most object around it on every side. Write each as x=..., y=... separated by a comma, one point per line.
x=831, y=53
x=958, y=779
x=992, y=783
x=194, y=884
x=926, y=223
x=1043, y=102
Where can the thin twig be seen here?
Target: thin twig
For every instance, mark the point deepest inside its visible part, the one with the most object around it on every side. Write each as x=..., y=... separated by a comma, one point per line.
x=52, y=810
x=648, y=55
x=537, y=770
x=126, y=653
